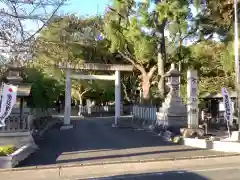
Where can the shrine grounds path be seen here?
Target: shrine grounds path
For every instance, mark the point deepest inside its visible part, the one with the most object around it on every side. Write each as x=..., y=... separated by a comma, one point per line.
x=93, y=140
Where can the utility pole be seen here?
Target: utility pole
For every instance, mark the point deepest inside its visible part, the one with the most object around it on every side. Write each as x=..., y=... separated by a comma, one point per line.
x=236, y=59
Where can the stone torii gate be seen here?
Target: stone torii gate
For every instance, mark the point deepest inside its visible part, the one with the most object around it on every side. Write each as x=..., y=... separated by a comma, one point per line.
x=96, y=67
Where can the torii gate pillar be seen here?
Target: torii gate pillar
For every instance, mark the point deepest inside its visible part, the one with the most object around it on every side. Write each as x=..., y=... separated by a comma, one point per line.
x=117, y=97
x=67, y=108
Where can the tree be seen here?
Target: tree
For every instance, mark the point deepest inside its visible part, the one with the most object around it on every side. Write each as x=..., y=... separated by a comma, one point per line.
x=127, y=38
x=72, y=39
x=45, y=90
x=215, y=17
x=139, y=35
x=16, y=19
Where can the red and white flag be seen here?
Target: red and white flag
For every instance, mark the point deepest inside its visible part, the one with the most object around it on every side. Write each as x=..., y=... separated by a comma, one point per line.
x=9, y=97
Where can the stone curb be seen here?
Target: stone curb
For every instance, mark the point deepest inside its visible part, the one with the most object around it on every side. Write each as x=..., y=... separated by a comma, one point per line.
x=116, y=162
x=223, y=146
x=16, y=157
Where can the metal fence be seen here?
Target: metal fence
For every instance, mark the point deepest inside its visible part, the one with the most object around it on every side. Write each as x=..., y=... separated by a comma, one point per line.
x=100, y=110
x=147, y=113
x=96, y=109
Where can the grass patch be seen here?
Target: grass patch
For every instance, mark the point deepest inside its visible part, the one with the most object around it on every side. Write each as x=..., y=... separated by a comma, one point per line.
x=6, y=150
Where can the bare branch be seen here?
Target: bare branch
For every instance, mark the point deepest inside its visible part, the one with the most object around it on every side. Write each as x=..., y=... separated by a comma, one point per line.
x=137, y=66
x=85, y=91
x=16, y=18
x=125, y=92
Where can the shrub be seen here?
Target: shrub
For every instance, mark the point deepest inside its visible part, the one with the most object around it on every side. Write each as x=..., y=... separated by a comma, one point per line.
x=177, y=139
x=5, y=150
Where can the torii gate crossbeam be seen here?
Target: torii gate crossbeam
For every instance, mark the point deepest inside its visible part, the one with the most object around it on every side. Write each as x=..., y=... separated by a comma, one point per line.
x=93, y=66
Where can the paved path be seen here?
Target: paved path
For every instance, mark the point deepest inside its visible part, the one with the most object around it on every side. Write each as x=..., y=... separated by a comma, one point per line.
x=95, y=141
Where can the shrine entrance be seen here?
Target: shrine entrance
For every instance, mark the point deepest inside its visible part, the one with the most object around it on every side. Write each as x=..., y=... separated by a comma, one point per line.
x=70, y=71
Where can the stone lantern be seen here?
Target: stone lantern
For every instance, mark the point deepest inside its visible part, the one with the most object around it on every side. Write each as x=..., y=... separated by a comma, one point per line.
x=173, y=112
x=172, y=77
x=18, y=117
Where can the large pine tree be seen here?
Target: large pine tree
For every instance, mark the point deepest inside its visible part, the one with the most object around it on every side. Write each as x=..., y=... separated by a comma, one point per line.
x=136, y=32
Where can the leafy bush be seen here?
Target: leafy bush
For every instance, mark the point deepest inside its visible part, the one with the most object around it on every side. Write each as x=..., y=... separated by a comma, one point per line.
x=5, y=150
x=177, y=139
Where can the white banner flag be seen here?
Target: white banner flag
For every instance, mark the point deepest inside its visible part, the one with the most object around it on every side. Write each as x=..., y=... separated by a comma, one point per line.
x=9, y=97
x=228, y=113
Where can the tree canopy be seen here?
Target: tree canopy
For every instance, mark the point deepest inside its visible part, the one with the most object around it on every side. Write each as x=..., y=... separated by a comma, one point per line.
x=149, y=35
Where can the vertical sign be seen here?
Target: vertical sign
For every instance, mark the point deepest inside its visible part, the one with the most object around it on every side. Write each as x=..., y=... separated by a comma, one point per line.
x=228, y=110
x=9, y=96
x=192, y=105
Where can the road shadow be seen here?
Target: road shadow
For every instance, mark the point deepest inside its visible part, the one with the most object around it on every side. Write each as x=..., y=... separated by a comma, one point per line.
x=168, y=175
x=94, y=140
x=122, y=155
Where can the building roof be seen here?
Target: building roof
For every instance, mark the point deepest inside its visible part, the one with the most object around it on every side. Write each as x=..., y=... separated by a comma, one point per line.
x=232, y=94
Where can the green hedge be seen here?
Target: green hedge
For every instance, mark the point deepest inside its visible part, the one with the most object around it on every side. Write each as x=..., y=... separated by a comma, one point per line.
x=5, y=150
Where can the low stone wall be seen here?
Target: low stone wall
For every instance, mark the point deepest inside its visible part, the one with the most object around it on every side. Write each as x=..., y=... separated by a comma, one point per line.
x=223, y=146
x=17, y=139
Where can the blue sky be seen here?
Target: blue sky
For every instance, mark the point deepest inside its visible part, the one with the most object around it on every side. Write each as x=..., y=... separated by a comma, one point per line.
x=85, y=7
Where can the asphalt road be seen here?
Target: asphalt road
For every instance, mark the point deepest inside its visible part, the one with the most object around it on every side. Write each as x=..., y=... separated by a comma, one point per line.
x=95, y=141
x=224, y=168
x=222, y=174
x=171, y=175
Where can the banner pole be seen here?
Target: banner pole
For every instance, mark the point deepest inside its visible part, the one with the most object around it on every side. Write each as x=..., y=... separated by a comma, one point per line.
x=228, y=127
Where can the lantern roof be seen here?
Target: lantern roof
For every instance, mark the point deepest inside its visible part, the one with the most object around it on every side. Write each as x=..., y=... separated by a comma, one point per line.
x=173, y=72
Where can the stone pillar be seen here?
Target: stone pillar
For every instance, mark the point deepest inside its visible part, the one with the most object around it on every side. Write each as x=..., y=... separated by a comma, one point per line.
x=192, y=105
x=67, y=110
x=117, y=97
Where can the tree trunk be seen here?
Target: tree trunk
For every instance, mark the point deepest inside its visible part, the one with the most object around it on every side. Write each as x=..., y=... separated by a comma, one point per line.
x=145, y=77
x=145, y=89
x=161, y=56
x=80, y=98
x=81, y=94
x=161, y=83
x=125, y=92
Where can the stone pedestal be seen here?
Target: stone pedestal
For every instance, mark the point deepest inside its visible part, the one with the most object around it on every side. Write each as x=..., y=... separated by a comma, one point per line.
x=66, y=127
x=173, y=112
